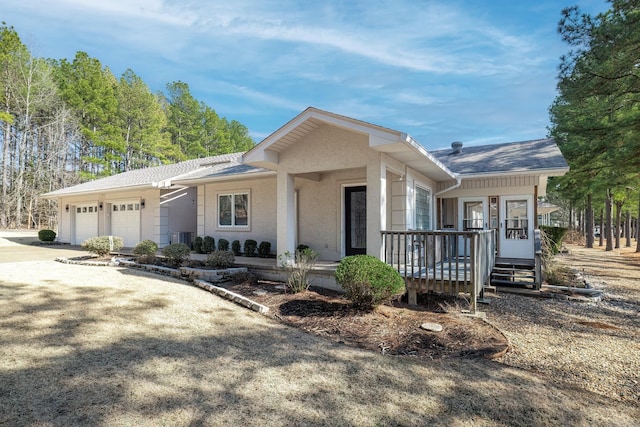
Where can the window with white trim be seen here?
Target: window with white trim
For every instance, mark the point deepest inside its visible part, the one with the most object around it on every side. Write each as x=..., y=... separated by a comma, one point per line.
x=233, y=210
x=423, y=208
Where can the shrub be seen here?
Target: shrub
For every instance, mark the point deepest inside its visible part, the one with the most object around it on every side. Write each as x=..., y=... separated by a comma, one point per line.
x=208, y=244
x=102, y=245
x=176, y=253
x=297, y=268
x=146, y=248
x=241, y=277
x=235, y=247
x=250, y=246
x=223, y=245
x=264, y=249
x=220, y=259
x=554, y=237
x=46, y=235
x=197, y=245
x=367, y=281
x=302, y=247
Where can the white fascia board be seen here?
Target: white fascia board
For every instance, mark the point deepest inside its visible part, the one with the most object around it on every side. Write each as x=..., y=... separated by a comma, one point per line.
x=241, y=177
x=414, y=145
x=98, y=191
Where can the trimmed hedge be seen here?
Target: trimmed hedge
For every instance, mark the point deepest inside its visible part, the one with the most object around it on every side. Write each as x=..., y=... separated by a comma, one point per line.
x=236, y=248
x=554, y=236
x=176, y=253
x=220, y=259
x=367, y=281
x=250, y=247
x=101, y=245
x=223, y=245
x=208, y=244
x=197, y=245
x=264, y=249
x=146, y=248
x=46, y=235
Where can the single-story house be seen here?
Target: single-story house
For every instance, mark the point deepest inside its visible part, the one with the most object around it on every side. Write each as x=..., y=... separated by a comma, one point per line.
x=328, y=181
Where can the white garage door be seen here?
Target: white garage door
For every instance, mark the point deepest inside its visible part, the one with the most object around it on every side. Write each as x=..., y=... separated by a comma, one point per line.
x=125, y=221
x=86, y=222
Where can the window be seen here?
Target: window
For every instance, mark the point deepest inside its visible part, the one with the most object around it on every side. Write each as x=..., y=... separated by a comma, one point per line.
x=423, y=209
x=517, y=220
x=233, y=210
x=473, y=216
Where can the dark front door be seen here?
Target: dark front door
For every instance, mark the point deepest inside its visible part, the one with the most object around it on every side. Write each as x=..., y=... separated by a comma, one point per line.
x=355, y=206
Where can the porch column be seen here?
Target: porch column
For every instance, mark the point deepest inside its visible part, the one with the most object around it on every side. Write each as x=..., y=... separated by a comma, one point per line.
x=376, y=203
x=286, y=214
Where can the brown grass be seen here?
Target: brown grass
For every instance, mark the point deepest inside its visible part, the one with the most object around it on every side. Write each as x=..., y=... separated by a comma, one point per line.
x=104, y=346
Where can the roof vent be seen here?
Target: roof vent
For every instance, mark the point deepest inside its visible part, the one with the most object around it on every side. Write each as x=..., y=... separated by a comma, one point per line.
x=456, y=147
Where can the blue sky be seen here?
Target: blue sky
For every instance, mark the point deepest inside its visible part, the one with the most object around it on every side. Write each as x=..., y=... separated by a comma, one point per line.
x=479, y=72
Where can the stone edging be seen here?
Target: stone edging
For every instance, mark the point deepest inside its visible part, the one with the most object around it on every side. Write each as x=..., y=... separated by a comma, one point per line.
x=194, y=275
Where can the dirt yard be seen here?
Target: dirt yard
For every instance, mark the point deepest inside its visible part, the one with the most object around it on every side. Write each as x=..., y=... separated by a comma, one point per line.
x=105, y=346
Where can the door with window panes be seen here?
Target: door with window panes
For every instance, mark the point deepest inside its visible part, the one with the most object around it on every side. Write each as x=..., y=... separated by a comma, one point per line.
x=516, y=227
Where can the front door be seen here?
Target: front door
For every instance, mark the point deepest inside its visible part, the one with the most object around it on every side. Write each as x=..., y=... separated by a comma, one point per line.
x=355, y=220
x=516, y=231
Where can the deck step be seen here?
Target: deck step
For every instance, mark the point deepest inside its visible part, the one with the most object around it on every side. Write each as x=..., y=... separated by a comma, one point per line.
x=512, y=283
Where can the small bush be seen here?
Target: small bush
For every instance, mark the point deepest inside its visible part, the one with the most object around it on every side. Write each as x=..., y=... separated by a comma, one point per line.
x=302, y=247
x=264, y=249
x=145, y=248
x=235, y=247
x=241, y=277
x=208, y=244
x=223, y=245
x=220, y=259
x=367, y=281
x=554, y=236
x=46, y=235
x=176, y=253
x=197, y=245
x=298, y=268
x=250, y=246
x=102, y=245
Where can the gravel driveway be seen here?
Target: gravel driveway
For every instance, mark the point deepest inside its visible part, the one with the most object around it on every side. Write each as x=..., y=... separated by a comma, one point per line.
x=107, y=346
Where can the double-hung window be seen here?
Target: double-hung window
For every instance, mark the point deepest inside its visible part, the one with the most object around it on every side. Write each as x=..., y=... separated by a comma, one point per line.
x=423, y=208
x=233, y=210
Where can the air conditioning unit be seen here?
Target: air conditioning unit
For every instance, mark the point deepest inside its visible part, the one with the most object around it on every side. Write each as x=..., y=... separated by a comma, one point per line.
x=185, y=237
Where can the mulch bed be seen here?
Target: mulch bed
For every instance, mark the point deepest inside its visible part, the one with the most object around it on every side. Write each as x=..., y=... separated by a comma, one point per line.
x=391, y=330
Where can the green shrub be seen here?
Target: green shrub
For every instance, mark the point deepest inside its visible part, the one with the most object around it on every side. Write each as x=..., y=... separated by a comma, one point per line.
x=197, y=245
x=102, y=245
x=220, y=259
x=554, y=236
x=298, y=268
x=367, y=281
x=46, y=235
x=235, y=247
x=176, y=253
x=223, y=245
x=208, y=244
x=146, y=248
x=250, y=246
x=302, y=247
x=264, y=249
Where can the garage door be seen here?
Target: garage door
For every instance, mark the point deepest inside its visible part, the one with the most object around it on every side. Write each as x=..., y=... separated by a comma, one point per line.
x=86, y=222
x=125, y=221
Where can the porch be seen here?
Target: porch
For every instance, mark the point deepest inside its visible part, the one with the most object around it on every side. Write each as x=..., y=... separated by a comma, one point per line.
x=442, y=262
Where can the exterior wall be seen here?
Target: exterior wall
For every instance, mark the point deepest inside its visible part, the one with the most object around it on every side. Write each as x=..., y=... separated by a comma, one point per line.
x=507, y=186
x=320, y=211
x=417, y=179
x=262, y=210
x=182, y=212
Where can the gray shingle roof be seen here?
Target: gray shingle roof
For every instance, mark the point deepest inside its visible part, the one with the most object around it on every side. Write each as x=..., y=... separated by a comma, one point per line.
x=525, y=156
x=222, y=165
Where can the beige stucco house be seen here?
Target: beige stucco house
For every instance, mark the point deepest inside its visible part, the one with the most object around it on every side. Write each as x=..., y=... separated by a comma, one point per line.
x=327, y=181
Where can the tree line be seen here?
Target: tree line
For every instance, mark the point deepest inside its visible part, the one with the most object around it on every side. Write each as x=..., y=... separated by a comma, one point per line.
x=63, y=122
x=596, y=119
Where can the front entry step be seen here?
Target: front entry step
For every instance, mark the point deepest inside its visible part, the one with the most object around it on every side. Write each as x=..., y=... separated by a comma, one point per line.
x=514, y=272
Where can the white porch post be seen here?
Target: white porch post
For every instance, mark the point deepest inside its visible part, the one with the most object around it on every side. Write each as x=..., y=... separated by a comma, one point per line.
x=376, y=203
x=285, y=222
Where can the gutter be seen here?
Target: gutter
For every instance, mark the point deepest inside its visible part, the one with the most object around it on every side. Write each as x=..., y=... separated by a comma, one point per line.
x=453, y=187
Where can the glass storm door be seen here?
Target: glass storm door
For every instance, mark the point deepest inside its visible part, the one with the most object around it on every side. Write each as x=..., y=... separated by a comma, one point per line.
x=355, y=218
x=516, y=231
